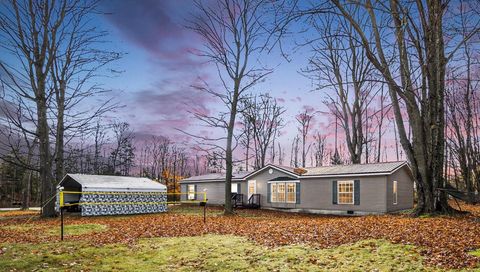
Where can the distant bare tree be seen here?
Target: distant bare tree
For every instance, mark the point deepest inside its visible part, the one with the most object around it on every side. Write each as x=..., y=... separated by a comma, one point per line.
x=234, y=35
x=265, y=117
x=319, y=149
x=304, y=119
x=340, y=65
x=294, y=152
x=122, y=154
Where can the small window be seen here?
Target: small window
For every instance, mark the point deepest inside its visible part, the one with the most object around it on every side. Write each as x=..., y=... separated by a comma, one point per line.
x=345, y=192
x=235, y=188
x=395, y=192
x=191, y=192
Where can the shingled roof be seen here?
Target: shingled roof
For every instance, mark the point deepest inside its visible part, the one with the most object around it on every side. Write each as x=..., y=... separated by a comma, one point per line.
x=238, y=176
x=374, y=169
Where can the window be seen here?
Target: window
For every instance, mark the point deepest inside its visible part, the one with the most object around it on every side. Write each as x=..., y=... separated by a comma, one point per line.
x=283, y=192
x=395, y=192
x=274, y=192
x=345, y=192
x=291, y=192
x=234, y=187
x=191, y=192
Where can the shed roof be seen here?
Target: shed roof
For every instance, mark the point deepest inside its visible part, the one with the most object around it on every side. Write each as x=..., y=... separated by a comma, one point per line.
x=113, y=183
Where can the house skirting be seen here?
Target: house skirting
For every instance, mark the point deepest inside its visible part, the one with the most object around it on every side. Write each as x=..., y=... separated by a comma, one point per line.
x=326, y=212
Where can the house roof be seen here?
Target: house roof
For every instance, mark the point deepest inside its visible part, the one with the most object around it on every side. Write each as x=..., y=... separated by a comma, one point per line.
x=216, y=177
x=382, y=168
x=113, y=183
x=371, y=169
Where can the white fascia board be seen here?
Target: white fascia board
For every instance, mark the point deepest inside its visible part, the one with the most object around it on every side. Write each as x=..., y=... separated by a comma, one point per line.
x=272, y=166
x=348, y=175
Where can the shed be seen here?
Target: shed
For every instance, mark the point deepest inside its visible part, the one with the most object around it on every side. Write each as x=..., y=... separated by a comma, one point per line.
x=112, y=195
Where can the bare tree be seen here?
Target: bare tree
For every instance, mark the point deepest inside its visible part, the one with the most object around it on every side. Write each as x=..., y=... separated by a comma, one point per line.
x=319, y=149
x=30, y=32
x=340, y=64
x=122, y=153
x=414, y=39
x=294, y=152
x=462, y=106
x=233, y=34
x=304, y=119
x=55, y=53
x=264, y=115
x=77, y=61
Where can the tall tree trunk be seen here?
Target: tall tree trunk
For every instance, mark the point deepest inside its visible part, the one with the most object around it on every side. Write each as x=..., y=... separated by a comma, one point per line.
x=60, y=133
x=229, y=151
x=46, y=177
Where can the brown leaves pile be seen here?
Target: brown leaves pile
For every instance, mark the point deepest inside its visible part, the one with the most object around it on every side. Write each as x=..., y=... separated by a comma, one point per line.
x=443, y=241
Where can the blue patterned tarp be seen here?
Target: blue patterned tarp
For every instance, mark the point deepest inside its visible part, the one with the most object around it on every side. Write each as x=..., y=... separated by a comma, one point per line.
x=96, y=203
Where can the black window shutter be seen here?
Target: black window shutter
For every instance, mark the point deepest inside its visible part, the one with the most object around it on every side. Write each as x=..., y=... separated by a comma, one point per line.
x=269, y=192
x=356, y=192
x=297, y=192
x=334, y=192
x=239, y=189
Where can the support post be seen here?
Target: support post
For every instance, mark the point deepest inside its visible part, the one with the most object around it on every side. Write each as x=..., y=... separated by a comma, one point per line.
x=61, y=220
x=205, y=212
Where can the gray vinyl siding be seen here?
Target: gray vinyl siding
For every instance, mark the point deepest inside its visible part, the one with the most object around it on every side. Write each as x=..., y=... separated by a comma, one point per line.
x=376, y=193
x=317, y=193
x=262, y=179
x=405, y=190
x=215, y=191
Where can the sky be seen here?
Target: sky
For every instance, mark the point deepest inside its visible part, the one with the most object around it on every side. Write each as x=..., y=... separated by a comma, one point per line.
x=159, y=70
x=154, y=78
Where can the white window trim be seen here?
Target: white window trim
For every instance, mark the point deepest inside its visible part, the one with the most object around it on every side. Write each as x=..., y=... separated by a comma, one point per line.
x=338, y=192
x=395, y=192
x=191, y=195
x=284, y=181
x=286, y=191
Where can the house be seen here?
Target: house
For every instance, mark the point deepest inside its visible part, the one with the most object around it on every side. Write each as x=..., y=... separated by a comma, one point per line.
x=111, y=195
x=342, y=189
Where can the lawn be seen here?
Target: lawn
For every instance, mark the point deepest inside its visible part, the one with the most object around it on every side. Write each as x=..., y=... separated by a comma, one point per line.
x=251, y=240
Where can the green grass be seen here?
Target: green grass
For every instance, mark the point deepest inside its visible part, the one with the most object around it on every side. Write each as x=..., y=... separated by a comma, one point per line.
x=68, y=229
x=210, y=253
x=476, y=253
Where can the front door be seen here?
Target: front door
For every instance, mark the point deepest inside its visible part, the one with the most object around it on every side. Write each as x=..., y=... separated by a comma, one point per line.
x=252, y=188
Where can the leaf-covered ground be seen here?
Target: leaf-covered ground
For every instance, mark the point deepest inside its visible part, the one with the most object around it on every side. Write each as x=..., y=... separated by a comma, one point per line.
x=441, y=241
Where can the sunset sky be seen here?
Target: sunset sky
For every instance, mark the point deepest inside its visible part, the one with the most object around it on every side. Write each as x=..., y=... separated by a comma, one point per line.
x=159, y=69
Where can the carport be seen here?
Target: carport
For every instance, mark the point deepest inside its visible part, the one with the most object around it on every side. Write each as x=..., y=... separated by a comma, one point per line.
x=111, y=195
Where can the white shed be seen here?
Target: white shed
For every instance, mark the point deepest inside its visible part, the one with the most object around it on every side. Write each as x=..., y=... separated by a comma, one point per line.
x=110, y=195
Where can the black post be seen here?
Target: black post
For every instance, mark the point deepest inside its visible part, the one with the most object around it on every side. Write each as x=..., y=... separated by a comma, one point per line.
x=61, y=219
x=205, y=212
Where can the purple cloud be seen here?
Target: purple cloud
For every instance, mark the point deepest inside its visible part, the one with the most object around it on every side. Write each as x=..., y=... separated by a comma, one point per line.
x=158, y=28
